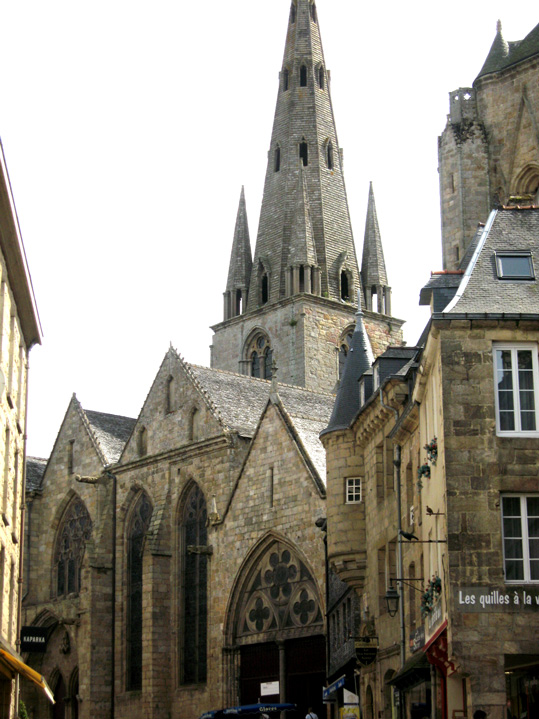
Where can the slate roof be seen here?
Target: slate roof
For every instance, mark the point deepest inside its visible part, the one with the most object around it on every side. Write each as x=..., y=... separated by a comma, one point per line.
x=481, y=292
x=358, y=361
x=503, y=54
x=239, y=401
x=440, y=288
x=111, y=431
x=35, y=469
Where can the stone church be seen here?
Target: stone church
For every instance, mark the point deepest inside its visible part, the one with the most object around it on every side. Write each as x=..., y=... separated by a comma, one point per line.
x=175, y=562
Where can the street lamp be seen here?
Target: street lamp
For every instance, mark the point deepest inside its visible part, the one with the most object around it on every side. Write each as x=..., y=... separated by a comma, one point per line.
x=392, y=600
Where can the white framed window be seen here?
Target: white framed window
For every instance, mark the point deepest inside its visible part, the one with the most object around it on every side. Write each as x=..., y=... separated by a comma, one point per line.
x=520, y=528
x=353, y=490
x=516, y=378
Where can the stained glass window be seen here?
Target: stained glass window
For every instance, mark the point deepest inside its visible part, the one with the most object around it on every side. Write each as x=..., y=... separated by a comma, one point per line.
x=75, y=531
x=193, y=599
x=140, y=521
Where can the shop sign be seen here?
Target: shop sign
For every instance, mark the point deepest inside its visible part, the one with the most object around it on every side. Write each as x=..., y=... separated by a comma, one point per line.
x=34, y=639
x=269, y=689
x=328, y=691
x=435, y=617
x=508, y=599
x=366, y=650
x=417, y=639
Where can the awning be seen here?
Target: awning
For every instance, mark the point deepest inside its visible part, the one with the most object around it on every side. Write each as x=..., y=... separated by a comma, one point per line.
x=17, y=665
x=248, y=709
x=415, y=671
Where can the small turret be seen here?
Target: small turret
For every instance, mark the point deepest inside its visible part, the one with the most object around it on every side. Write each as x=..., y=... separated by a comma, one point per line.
x=373, y=266
x=498, y=54
x=239, y=271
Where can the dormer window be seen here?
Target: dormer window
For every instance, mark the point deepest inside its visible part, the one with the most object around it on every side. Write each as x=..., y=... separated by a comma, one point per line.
x=514, y=266
x=303, y=76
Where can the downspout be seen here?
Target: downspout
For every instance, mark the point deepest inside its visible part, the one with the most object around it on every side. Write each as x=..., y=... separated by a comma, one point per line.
x=21, y=535
x=397, y=464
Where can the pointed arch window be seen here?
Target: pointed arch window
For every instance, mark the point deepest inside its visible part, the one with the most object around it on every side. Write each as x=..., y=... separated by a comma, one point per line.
x=286, y=79
x=345, y=286
x=303, y=76
x=142, y=442
x=260, y=354
x=193, y=588
x=264, y=288
x=304, y=153
x=277, y=159
x=138, y=528
x=75, y=530
x=170, y=394
x=329, y=155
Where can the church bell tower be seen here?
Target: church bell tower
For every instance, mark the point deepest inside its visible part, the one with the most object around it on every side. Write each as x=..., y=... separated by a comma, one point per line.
x=295, y=303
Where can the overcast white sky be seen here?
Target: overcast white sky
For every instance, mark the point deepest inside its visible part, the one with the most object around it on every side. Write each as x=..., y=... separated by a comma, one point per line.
x=129, y=128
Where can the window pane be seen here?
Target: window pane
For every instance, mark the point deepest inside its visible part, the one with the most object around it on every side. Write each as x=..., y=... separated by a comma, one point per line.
x=507, y=421
x=513, y=549
x=527, y=421
x=503, y=360
x=514, y=571
x=534, y=548
x=505, y=401
x=512, y=528
x=534, y=570
x=511, y=506
x=532, y=504
x=516, y=266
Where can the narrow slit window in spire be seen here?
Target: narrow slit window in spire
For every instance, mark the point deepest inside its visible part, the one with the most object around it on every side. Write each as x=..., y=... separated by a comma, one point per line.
x=329, y=155
x=286, y=79
x=345, y=291
x=303, y=76
x=293, y=13
x=277, y=159
x=304, y=153
x=320, y=77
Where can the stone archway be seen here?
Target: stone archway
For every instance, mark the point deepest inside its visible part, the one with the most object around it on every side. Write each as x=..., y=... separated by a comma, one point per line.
x=275, y=628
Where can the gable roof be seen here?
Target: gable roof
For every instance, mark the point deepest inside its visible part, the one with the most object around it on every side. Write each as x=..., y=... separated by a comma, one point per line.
x=35, y=469
x=481, y=291
x=110, y=431
x=239, y=402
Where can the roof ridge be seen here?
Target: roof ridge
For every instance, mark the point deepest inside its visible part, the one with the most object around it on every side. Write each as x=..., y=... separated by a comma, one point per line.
x=209, y=402
x=259, y=379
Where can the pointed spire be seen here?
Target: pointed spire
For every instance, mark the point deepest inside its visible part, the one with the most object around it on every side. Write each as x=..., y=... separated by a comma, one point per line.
x=358, y=361
x=498, y=53
x=239, y=271
x=303, y=143
x=373, y=266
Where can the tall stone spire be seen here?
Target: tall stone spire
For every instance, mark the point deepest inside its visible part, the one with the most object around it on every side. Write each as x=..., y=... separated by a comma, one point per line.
x=239, y=271
x=303, y=142
x=373, y=266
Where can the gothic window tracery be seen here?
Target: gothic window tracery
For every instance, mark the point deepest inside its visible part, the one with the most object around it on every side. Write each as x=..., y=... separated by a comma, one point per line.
x=193, y=588
x=138, y=527
x=281, y=596
x=261, y=356
x=75, y=530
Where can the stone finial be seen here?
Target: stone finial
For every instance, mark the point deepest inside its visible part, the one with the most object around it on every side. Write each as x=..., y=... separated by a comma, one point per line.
x=499, y=27
x=274, y=382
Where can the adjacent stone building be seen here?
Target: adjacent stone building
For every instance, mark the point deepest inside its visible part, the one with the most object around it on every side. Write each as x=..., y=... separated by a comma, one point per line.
x=489, y=150
x=433, y=494
x=19, y=332
x=176, y=561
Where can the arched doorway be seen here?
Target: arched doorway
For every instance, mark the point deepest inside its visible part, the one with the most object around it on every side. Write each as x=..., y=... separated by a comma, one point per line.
x=276, y=629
